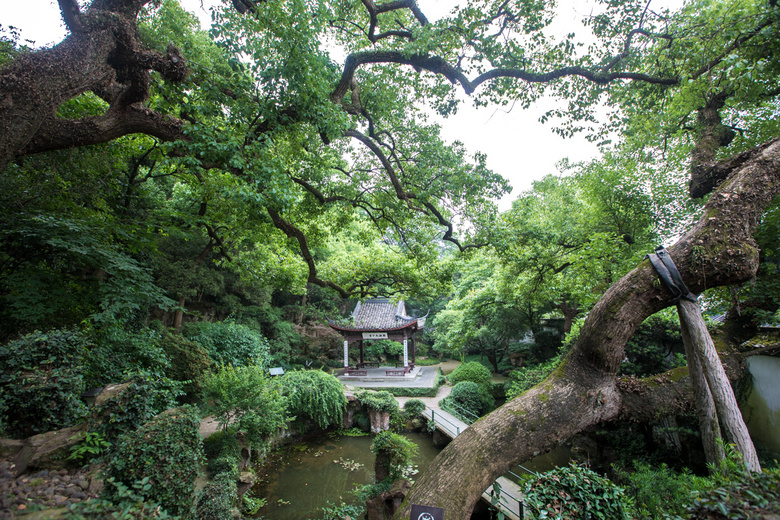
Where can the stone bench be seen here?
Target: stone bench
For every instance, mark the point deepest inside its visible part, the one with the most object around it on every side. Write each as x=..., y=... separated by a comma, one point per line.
x=395, y=372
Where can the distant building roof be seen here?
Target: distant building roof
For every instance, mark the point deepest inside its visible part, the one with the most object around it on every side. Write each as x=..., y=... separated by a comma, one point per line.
x=377, y=314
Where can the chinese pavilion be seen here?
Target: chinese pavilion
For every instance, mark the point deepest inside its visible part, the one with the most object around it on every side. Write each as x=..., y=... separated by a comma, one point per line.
x=377, y=319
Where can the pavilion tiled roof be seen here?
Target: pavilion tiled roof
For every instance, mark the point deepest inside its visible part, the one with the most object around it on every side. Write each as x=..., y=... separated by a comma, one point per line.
x=376, y=315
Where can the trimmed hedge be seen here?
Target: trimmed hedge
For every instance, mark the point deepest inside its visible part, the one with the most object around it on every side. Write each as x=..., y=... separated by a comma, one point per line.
x=473, y=371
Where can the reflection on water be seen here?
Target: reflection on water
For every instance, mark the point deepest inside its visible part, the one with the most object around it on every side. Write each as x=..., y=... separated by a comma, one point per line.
x=301, y=479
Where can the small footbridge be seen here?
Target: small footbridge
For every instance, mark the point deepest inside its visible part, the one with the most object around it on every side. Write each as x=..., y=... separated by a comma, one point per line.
x=504, y=495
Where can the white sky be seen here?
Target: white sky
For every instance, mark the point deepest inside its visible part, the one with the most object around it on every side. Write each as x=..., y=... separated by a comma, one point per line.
x=517, y=146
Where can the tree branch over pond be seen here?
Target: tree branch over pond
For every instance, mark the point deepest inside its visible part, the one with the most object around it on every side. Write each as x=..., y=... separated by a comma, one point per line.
x=584, y=390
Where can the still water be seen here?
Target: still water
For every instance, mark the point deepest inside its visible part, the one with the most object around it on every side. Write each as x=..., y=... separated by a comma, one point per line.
x=301, y=479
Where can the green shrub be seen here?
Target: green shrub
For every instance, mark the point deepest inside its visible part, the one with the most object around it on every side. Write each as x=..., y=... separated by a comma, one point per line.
x=127, y=504
x=380, y=401
x=748, y=495
x=527, y=377
x=116, y=351
x=659, y=491
x=221, y=443
x=473, y=371
x=575, y=493
x=396, y=453
x=147, y=395
x=736, y=492
x=189, y=363
x=315, y=395
x=41, y=382
x=470, y=397
x=245, y=398
x=230, y=343
x=225, y=464
x=168, y=450
x=217, y=501
x=414, y=407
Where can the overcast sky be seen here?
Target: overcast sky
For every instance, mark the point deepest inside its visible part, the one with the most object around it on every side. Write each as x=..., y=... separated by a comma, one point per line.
x=517, y=146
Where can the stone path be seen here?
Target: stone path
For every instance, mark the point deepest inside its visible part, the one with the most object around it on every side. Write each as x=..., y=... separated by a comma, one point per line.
x=47, y=488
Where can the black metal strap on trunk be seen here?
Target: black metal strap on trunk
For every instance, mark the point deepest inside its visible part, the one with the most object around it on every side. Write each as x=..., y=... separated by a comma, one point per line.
x=669, y=274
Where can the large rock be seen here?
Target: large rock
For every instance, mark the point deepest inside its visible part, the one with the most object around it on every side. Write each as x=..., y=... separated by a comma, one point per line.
x=48, y=450
x=109, y=392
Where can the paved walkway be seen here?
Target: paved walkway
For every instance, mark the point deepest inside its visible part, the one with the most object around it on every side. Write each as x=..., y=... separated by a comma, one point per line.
x=421, y=377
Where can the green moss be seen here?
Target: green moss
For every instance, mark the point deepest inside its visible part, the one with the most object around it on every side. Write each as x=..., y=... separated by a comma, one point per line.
x=543, y=397
x=522, y=412
x=676, y=374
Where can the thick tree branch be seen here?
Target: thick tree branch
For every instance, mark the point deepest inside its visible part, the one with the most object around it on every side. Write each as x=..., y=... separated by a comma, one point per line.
x=584, y=391
x=440, y=66
x=293, y=232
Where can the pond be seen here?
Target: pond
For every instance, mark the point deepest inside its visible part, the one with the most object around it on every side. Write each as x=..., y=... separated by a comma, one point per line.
x=300, y=480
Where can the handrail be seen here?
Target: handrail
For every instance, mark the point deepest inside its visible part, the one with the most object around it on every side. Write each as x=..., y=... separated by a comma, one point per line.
x=463, y=410
x=444, y=418
x=505, y=492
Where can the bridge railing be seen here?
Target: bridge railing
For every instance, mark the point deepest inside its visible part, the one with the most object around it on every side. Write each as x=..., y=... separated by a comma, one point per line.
x=440, y=421
x=467, y=416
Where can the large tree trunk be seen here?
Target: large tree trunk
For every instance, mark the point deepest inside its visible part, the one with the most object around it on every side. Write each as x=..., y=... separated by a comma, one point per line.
x=583, y=391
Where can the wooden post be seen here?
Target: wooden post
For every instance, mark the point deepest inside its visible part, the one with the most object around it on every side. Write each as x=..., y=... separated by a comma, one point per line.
x=695, y=334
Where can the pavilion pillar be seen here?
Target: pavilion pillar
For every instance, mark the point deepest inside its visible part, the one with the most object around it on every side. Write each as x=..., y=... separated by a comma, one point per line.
x=361, y=354
x=346, y=353
x=414, y=346
x=406, y=354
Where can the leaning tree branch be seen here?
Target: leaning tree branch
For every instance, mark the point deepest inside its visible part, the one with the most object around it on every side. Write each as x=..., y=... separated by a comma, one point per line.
x=584, y=390
x=438, y=65
x=293, y=232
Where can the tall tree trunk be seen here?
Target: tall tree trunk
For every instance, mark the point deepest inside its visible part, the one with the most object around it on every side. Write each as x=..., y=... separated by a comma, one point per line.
x=583, y=391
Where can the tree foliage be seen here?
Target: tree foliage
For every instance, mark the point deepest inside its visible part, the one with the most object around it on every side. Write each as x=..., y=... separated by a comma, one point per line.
x=315, y=395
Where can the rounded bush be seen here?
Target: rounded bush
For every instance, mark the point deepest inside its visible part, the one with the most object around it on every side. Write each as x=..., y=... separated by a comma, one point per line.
x=414, y=407
x=41, y=382
x=218, y=499
x=472, y=371
x=471, y=397
x=147, y=394
x=575, y=492
x=230, y=343
x=316, y=395
x=169, y=451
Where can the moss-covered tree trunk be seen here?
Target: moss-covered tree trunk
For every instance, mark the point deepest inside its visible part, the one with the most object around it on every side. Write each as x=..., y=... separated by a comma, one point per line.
x=584, y=390
x=101, y=55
